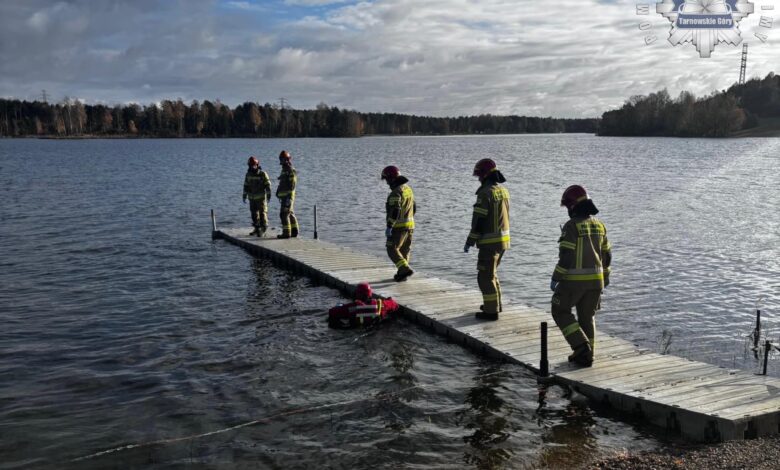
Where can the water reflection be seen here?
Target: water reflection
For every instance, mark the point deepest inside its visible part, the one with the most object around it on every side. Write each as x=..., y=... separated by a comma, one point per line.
x=570, y=440
x=487, y=415
x=399, y=414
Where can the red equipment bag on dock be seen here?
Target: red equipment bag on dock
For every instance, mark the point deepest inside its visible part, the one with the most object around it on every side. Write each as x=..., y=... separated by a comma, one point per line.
x=361, y=313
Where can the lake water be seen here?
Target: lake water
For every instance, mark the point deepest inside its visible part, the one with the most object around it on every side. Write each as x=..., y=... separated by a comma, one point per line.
x=123, y=323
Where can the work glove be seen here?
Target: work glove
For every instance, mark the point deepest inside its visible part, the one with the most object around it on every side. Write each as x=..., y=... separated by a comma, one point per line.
x=466, y=248
x=244, y=198
x=553, y=284
x=388, y=232
x=268, y=200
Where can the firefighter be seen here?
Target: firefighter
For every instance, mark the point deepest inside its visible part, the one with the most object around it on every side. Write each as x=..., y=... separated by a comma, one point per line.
x=285, y=192
x=257, y=187
x=490, y=232
x=364, y=311
x=400, y=209
x=581, y=274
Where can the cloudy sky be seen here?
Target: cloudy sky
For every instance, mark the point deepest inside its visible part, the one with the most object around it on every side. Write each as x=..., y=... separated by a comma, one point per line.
x=565, y=58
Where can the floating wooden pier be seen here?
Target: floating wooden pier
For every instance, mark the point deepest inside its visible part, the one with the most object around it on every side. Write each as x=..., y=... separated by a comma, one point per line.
x=692, y=399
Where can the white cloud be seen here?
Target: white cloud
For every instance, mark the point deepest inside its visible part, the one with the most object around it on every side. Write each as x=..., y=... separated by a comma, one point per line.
x=438, y=57
x=313, y=2
x=39, y=20
x=246, y=6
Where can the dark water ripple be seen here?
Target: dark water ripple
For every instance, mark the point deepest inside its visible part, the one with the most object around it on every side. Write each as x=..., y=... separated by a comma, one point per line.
x=123, y=323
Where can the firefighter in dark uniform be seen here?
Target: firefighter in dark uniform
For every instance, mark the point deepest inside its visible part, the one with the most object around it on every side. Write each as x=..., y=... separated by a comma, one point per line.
x=257, y=188
x=285, y=192
x=400, y=209
x=490, y=232
x=581, y=274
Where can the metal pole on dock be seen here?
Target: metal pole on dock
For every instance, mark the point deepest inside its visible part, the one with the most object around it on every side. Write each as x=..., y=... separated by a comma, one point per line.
x=213, y=225
x=767, y=347
x=315, y=222
x=544, y=365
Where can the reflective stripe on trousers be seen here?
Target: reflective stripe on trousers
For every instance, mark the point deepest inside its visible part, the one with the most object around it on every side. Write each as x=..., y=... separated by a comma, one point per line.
x=399, y=248
x=488, y=261
x=582, y=328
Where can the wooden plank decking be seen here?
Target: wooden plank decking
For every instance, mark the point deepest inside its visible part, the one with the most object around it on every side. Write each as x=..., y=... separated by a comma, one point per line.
x=696, y=400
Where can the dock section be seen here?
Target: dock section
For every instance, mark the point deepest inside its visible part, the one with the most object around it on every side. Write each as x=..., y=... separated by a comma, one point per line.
x=696, y=400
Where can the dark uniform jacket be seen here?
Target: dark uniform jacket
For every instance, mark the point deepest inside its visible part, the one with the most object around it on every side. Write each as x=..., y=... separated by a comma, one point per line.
x=257, y=185
x=400, y=206
x=584, y=253
x=288, y=179
x=490, y=219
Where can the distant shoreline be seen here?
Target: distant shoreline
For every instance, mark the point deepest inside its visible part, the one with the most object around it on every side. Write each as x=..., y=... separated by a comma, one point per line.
x=764, y=131
x=140, y=137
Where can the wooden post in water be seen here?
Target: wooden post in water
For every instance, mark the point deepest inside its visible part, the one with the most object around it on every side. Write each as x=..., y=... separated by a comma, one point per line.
x=757, y=331
x=544, y=365
x=315, y=222
x=767, y=347
x=213, y=225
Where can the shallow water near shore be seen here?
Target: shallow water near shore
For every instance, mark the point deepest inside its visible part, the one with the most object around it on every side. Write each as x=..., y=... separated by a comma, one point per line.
x=124, y=323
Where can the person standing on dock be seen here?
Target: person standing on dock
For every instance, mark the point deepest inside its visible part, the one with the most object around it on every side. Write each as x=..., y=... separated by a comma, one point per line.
x=490, y=232
x=582, y=272
x=285, y=192
x=400, y=208
x=257, y=187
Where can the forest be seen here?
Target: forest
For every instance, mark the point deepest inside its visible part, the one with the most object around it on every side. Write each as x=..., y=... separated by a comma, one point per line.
x=168, y=119
x=720, y=114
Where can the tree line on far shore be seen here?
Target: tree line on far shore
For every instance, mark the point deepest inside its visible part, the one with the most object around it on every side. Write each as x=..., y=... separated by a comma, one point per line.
x=718, y=115
x=73, y=118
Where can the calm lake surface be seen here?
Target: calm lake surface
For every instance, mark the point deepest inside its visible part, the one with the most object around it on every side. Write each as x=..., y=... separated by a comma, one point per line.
x=123, y=323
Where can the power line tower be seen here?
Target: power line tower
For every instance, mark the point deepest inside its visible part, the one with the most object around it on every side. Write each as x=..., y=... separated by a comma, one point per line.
x=44, y=96
x=283, y=103
x=743, y=66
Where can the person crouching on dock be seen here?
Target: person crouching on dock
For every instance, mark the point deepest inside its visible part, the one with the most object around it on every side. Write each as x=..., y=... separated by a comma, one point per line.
x=257, y=187
x=364, y=311
x=582, y=272
x=400, y=208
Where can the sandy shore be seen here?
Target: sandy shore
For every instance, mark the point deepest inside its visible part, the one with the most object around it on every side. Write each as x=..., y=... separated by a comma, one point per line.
x=750, y=454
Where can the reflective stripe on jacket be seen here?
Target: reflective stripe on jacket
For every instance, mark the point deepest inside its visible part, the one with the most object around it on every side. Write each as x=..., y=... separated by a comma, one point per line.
x=360, y=313
x=490, y=219
x=584, y=253
x=400, y=207
x=257, y=185
x=288, y=179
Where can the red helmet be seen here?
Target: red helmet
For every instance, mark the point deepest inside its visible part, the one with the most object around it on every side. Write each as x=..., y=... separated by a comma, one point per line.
x=284, y=157
x=574, y=195
x=484, y=167
x=390, y=173
x=363, y=291
x=253, y=161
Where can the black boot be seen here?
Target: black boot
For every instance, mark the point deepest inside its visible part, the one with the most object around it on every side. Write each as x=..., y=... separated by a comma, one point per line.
x=253, y=232
x=583, y=355
x=481, y=315
x=401, y=276
x=283, y=235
